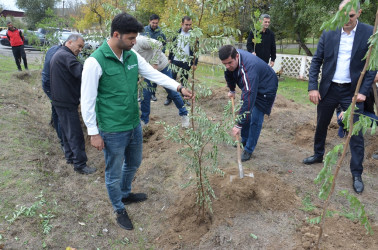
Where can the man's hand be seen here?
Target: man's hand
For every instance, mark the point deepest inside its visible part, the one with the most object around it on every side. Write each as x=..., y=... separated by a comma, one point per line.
x=97, y=142
x=235, y=132
x=187, y=93
x=360, y=98
x=155, y=66
x=341, y=116
x=271, y=64
x=194, y=67
x=231, y=95
x=314, y=96
x=376, y=78
x=253, y=53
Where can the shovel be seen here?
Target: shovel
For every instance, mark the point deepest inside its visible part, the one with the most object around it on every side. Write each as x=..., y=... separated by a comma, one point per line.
x=241, y=172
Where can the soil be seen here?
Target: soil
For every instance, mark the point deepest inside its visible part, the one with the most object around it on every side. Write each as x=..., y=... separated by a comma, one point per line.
x=264, y=212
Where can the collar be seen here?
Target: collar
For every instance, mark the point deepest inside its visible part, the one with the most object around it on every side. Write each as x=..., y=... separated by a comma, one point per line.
x=353, y=30
x=155, y=30
x=68, y=49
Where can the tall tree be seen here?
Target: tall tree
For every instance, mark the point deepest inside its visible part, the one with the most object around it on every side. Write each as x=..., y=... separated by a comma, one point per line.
x=35, y=10
x=297, y=19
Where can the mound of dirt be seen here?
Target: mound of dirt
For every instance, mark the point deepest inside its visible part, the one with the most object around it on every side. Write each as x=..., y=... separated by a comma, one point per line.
x=338, y=233
x=264, y=192
x=282, y=102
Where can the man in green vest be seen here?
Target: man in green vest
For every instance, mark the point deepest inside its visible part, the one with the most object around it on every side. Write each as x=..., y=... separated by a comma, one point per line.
x=109, y=106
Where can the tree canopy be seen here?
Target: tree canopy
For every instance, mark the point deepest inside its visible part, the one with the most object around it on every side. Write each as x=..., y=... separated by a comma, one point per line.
x=35, y=10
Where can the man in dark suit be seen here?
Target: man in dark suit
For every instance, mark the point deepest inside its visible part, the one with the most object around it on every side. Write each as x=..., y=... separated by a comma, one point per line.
x=341, y=53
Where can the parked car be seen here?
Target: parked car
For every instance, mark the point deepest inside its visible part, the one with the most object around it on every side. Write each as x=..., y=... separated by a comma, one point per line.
x=31, y=38
x=3, y=38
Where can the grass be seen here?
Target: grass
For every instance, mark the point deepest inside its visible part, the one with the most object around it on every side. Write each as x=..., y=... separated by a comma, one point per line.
x=294, y=51
x=210, y=75
x=293, y=89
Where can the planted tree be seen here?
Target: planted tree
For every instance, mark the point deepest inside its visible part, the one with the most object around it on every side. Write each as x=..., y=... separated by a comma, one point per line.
x=256, y=28
x=326, y=178
x=201, y=140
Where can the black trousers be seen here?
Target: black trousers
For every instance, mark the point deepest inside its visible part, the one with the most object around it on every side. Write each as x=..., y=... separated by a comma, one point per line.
x=72, y=135
x=339, y=95
x=18, y=53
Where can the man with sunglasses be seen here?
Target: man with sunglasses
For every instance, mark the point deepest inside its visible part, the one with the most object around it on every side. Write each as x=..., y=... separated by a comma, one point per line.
x=341, y=53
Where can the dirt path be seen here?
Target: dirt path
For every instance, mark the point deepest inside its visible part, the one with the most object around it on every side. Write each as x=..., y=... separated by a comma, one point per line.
x=260, y=213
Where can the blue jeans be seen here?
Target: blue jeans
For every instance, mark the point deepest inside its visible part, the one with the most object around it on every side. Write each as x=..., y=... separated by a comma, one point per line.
x=145, y=104
x=250, y=132
x=123, y=156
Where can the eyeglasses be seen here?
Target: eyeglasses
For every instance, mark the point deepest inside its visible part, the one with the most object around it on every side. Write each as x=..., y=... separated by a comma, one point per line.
x=351, y=15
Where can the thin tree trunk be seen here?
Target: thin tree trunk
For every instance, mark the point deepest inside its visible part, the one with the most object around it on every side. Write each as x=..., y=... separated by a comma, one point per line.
x=375, y=97
x=303, y=45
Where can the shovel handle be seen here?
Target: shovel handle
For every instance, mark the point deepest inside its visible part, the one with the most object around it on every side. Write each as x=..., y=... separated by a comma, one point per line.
x=238, y=151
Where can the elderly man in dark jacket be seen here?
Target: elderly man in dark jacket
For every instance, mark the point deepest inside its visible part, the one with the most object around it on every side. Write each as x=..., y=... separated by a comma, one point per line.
x=65, y=80
x=258, y=83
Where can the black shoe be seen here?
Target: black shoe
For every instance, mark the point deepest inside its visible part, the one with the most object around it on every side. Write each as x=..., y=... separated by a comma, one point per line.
x=133, y=198
x=69, y=161
x=85, y=170
x=313, y=159
x=358, y=184
x=124, y=221
x=167, y=102
x=187, y=103
x=245, y=156
x=153, y=98
x=19, y=69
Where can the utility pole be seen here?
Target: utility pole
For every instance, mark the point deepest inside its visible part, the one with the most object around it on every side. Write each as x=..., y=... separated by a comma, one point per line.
x=63, y=8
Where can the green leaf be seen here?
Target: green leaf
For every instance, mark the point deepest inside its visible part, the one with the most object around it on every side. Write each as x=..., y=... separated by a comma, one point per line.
x=253, y=236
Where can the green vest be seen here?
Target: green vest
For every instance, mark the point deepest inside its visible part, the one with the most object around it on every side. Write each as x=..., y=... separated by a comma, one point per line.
x=117, y=107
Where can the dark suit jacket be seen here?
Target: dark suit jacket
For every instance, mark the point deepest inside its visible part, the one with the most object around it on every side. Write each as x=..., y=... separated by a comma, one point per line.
x=326, y=54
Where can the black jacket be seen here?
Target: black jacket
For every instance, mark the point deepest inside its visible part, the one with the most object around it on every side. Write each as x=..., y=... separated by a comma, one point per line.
x=266, y=49
x=326, y=58
x=65, y=78
x=191, y=53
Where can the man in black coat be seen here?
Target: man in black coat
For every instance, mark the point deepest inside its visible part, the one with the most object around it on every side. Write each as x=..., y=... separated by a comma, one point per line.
x=341, y=53
x=65, y=80
x=267, y=48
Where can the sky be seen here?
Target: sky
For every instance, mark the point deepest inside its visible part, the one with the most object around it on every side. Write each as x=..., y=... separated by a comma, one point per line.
x=9, y=4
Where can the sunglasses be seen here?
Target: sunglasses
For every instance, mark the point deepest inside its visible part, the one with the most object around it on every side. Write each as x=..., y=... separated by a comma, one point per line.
x=351, y=15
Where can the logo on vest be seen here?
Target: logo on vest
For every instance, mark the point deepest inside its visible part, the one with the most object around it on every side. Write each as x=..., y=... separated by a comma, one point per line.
x=131, y=66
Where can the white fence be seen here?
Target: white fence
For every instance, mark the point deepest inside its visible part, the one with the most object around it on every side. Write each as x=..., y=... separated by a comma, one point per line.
x=290, y=65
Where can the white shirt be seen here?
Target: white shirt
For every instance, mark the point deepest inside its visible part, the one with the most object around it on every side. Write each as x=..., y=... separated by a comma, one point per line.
x=342, y=73
x=92, y=72
x=183, y=44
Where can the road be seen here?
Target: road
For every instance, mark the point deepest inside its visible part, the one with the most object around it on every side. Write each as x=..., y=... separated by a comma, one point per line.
x=32, y=55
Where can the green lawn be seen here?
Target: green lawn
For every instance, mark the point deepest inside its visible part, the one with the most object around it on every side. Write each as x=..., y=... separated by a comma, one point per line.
x=294, y=51
x=293, y=89
x=210, y=75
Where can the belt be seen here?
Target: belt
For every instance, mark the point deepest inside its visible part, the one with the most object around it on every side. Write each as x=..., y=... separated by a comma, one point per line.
x=345, y=84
